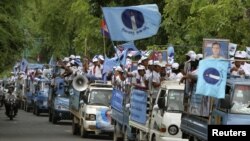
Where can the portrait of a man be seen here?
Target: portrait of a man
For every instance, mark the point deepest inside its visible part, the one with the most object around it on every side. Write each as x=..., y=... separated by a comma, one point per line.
x=216, y=48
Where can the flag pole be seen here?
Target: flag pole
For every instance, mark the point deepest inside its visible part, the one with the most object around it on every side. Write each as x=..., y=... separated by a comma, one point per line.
x=104, y=43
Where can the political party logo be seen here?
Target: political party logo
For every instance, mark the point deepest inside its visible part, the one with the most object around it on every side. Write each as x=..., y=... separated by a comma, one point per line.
x=212, y=76
x=134, y=21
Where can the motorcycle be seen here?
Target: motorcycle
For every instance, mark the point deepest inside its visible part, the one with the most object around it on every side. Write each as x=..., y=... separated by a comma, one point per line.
x=11, y=104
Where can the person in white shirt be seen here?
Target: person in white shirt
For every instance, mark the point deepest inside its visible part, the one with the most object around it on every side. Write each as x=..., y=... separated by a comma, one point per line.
x=140, y=78
x=9, y=96
x=95, y=70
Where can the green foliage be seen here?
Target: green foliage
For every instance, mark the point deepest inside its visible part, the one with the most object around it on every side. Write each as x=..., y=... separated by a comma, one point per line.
x=189, y=21
x=63, y=27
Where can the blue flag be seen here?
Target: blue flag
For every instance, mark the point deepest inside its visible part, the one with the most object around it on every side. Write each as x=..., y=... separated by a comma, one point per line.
x=130, y=46
x=24, y=65
x=212, y=76
x=132, y=22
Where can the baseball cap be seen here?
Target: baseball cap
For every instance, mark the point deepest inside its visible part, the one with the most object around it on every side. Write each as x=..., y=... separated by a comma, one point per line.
x=94, y=60
x=141, y=67
x=144, y=58
x=199, y=56
x=78, y=57
x=150, y=62
x=65, y=59
x=190, y=52
x=101, y=57
x=72, y=56
x=175, y=65
x=240, y=54
x=119, y=68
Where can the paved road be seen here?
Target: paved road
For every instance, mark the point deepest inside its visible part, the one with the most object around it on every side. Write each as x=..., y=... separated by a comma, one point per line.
x=28, y=127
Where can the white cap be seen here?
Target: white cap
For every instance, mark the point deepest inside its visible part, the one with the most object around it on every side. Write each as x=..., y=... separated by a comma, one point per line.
x=144, y=58
x=119, y=68
x=101, y=57
x=240, y=54
x=175, y=65
x=21, y=72
x=190, y=52
x=193, y=57
x=163, y=64
x=66, y=59
x=130, y=55
x=150, y=62
x=141, y=67
x=78, y=57
x=94, y=60
x=139, y=62
x=157, y=63
x=72, y=57
x=72, y=61
x=68, y=65
x=199, y=56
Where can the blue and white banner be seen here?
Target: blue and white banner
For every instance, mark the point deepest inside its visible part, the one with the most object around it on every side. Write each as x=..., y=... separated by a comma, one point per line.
x=138, y=107
x=103, y=119
x=132, y=22
x=212, y=76
x=130, y=46
x=117, y=99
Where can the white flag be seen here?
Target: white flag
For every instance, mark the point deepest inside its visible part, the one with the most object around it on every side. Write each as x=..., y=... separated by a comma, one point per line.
x=232, y=49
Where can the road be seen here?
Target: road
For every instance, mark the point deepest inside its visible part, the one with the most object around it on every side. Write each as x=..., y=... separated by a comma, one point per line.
x=28, y=127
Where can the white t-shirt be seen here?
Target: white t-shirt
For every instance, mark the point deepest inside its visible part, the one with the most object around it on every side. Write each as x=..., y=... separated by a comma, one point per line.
x=140, y=80
x=96, y=71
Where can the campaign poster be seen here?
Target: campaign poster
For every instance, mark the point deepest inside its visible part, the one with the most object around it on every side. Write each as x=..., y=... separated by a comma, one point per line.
x=216, y=48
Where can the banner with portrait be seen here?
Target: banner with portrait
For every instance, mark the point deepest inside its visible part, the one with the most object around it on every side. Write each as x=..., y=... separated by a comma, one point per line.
x=216, y=48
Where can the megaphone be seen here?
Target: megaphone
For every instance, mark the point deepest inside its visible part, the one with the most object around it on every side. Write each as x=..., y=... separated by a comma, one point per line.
x=46, y=72
x=80, y=83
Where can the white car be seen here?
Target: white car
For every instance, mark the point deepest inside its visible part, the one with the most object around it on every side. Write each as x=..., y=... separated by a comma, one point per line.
x=96, y=112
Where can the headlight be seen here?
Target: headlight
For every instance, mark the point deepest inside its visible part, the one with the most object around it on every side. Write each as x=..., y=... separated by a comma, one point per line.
x=90, y=117
x=173, y=130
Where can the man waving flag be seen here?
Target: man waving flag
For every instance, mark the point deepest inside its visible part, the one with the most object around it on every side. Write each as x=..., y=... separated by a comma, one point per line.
x=133, y=22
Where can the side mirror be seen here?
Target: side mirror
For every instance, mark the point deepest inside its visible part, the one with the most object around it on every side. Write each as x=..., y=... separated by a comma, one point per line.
x=161, y=103
x=225, y=103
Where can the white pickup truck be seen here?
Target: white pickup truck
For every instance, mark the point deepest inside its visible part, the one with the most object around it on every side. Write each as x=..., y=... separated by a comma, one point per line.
x=163, y=124
x=93, y=113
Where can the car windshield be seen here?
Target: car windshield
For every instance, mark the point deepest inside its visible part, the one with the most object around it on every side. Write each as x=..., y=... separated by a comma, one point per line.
x=241, y=100
x=175, y=100
x=100, y=97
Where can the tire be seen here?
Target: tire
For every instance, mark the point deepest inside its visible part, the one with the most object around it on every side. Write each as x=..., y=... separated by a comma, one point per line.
x=37, y=111
x=34, y=109
x=115, y=138
x=83, y=132
x=50, y=117
x=11, y=114
x=74, y=127
x=54, y=118
x=153, y=138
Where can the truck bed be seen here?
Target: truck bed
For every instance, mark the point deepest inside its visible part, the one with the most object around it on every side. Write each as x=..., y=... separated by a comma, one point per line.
x=194, y=125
